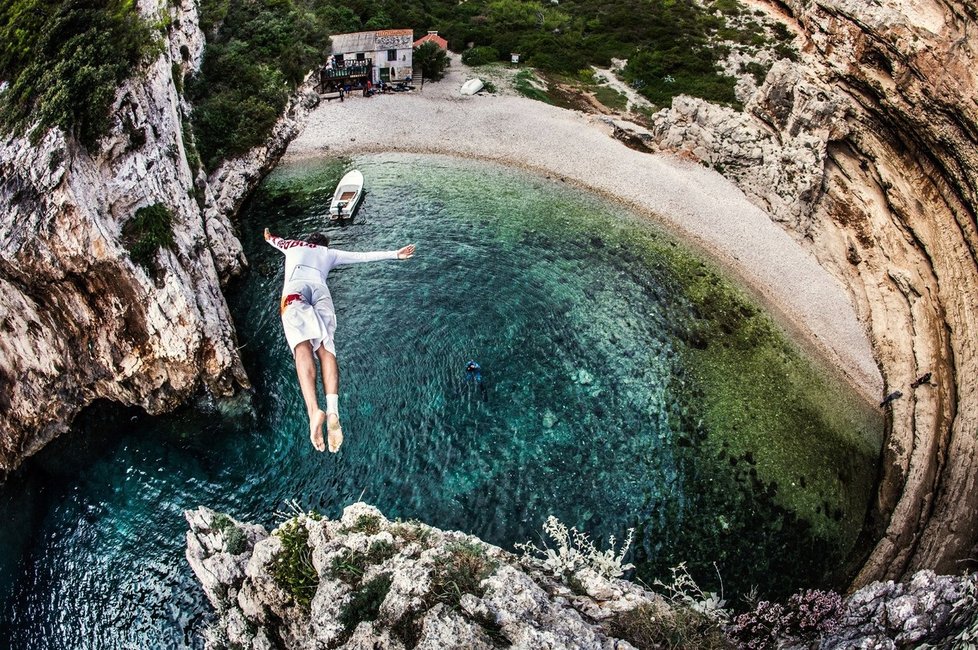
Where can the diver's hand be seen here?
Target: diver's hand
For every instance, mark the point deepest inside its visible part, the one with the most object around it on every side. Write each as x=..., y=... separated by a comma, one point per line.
x=268, y=235
x=406, y=252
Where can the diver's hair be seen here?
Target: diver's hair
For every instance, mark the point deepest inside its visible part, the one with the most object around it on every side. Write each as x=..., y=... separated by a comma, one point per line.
x=318, y=238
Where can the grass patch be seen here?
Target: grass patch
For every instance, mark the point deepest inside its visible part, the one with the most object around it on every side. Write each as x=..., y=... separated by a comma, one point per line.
x=292, y=568
x=648, y=629
x=611, y=98
x=235, y=541
x=524, y=84
x=350, y=566
x=413, y=531
x=147, y=232
x=460, y=570
x=366, y=524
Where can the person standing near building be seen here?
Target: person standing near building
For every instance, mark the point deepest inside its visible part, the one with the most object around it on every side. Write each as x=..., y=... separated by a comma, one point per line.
x=309, y=321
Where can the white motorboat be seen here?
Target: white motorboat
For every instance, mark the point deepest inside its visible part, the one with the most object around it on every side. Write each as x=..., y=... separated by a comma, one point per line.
x=348, y=194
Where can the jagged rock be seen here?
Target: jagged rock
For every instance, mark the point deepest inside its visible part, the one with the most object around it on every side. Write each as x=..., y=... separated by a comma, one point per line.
x=80, y=320
x=516, y=604
x=895, y=615
x=412, y=564
x=864, y=150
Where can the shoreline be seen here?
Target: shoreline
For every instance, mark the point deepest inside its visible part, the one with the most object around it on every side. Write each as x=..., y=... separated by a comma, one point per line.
x=689, y=201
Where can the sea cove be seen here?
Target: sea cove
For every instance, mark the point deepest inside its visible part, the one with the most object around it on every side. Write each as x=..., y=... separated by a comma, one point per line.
x=628, y=384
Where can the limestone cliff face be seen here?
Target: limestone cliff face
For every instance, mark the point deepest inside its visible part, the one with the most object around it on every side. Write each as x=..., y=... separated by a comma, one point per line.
x=867, y=151
x=79, y=319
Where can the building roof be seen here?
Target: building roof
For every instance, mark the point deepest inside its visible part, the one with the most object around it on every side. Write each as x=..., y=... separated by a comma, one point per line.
x=371, y=41
x=434, y=38
x=355, y=42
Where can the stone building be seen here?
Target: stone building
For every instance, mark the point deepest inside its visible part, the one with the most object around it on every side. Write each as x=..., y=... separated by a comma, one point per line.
x=384, y=55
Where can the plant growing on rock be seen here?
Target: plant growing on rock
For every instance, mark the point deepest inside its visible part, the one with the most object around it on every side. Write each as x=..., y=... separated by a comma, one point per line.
x=365, y=603
x=235, y=541
x=805, y=615
x=648, y=627
x=147, y=232
x=460, y=570
x=63, y=62
x=574, y=551
x=292, y=568
x=684, y=591
x=349, y=566
x=366, y=524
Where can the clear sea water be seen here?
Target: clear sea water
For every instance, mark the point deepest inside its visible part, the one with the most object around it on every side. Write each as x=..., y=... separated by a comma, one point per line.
x=627, y=384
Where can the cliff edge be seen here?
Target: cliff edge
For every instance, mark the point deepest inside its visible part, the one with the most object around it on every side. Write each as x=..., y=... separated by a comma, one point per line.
x=82, y=317
x=866, y=152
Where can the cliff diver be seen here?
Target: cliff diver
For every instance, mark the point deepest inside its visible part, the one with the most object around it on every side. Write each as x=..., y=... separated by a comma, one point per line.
x=309, y=321
x=473, y=375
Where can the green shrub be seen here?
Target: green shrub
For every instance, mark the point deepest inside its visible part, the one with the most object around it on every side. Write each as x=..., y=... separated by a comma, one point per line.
x=292, y=568
x=147, y=232
x=757, y=70
x=189, y=146
x=663, y=74
x=63, y=62
x=432, y=60
x=460, y=570
x=365, y=603
x=350, y=566
x=176, y=71
x=235, y=541
x=611, y=98
x=256, y=54
x=366, y=524
x=480, y=55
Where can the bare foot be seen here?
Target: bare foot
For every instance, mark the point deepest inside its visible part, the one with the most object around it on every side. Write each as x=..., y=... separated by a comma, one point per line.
x=333, y=432
x=316, y=430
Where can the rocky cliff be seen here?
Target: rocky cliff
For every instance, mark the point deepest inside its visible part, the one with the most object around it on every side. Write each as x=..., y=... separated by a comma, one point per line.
x=866, y=150
x=80, y=320
x=365, y=582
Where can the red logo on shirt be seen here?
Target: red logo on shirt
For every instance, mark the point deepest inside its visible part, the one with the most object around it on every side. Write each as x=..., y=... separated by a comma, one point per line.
x=292, y=243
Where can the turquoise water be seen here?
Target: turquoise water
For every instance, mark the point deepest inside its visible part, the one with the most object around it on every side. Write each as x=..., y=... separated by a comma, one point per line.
x=607, y=404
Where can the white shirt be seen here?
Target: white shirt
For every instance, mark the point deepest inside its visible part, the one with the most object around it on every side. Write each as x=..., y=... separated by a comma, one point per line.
x=305, y=262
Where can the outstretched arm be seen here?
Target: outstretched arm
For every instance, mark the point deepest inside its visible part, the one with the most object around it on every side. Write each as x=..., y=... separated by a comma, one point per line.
x=348, y=257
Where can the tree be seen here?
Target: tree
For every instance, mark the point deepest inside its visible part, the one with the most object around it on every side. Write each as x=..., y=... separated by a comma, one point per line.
x=432, y=60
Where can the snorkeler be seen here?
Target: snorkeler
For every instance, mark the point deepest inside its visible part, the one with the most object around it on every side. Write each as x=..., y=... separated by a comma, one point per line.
x=473, y=373
x=309, y=321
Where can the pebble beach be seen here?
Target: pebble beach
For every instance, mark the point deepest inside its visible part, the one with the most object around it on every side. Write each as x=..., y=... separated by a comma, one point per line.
x=689, y=200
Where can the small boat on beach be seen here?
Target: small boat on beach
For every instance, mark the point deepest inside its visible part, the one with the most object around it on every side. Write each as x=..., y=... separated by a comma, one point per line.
x=348, y=194
x=472, y=86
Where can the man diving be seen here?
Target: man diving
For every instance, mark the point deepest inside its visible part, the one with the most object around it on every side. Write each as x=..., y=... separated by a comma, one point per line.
x=309, y=321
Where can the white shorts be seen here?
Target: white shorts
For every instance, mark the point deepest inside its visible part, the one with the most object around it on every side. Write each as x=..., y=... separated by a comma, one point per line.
x=309, y=318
